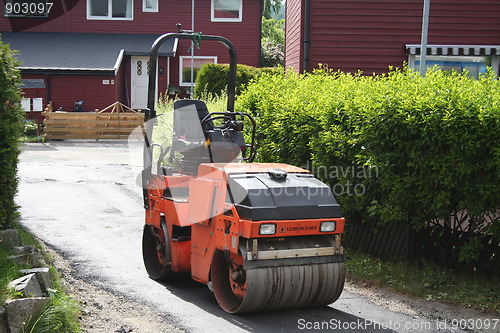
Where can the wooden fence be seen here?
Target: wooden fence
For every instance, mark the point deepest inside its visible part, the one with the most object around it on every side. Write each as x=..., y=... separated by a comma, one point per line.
x=400, y=242
x=387, y=241
x=117, y=121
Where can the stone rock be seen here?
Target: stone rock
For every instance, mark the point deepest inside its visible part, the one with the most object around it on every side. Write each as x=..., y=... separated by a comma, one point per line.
x=3, y=321
x=28, y=285
x=23, y=249
x=9, y=238
x=43, y=276
x=31, y=259
x=19, y=311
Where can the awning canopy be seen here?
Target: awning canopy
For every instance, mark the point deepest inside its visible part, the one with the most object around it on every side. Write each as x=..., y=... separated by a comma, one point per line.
x=79, y=53
x=455, y=50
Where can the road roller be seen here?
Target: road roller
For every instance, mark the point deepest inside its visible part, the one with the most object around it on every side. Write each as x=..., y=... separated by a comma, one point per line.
x=262, y=236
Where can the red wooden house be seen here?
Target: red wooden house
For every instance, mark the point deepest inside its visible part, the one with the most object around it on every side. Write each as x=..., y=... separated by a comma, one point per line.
x=96, y=51
x=371, y=35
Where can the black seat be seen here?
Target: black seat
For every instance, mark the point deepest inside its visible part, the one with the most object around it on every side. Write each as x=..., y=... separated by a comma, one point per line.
x=202, y=144
x=189, y=137
x=186, y=121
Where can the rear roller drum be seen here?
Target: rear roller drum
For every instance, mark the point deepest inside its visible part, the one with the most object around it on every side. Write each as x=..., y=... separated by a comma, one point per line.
x=271, y=288
x=156, y=253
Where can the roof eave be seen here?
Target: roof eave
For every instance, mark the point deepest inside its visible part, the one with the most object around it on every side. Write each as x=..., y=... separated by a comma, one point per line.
x=66, y=71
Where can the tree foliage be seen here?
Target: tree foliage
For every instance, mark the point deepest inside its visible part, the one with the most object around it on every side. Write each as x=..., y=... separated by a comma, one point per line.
x=10, y=128
x=273, y=42
x=212, y=79
x=271, y=8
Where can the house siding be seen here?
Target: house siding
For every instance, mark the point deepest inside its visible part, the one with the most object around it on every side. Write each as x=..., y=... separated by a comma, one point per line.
x=71, y=16
x=67, y=89
x=293, y=35
x=371, y=35
x=245, y=35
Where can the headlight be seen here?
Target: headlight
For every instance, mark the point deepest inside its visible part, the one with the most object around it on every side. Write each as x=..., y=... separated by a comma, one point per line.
x=328, y=226
x=267, y=229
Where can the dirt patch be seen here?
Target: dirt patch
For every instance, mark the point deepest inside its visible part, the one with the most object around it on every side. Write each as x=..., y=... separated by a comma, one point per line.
x=106, y=312
x=431, y=310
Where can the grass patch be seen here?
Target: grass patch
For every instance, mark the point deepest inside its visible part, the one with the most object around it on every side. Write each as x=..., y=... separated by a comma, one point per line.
x=427, y=281
x=29, y=133
x=164, y=131
x=26, y=238
x=59, y=315
x=8, y=272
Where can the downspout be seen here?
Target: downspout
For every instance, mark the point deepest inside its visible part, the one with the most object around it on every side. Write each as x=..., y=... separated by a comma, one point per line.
x=47, y=88
x=307, y=29
x=260, y=30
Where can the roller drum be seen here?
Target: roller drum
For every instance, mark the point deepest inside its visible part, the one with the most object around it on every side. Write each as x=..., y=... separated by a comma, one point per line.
x=281, y=287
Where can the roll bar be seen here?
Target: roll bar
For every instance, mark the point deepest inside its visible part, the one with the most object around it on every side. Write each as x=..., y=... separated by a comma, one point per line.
x=150, y=113
x=231, y=84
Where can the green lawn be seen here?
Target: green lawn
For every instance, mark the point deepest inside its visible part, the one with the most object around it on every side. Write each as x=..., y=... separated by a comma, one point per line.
x=427, y=281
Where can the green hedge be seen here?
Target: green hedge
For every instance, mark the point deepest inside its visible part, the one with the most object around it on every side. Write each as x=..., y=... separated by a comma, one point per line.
x=395, y=147
x=10, y=128
x=212, y=79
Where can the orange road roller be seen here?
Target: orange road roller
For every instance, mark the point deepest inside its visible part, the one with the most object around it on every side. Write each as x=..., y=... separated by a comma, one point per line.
x=262, y=236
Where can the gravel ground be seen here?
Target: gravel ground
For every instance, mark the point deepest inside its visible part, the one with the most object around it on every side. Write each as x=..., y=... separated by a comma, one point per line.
x=105, y=312
x=419, y=308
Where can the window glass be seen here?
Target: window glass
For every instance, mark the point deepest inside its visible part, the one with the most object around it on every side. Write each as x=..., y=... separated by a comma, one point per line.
x=98, y=8
x=26, y=104
x=120, y=8
x=475, y=65
x=150, y=5
x=186, y=67
x=38, y=104
x=226, y=10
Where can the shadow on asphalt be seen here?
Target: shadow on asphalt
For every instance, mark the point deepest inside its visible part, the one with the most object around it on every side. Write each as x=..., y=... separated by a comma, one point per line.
x=319, y=319
x=38, y=147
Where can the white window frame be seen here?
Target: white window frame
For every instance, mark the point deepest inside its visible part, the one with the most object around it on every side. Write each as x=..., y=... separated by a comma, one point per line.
x=181, y=63
x=222, y=19
x=150, y=10
x=110, y=11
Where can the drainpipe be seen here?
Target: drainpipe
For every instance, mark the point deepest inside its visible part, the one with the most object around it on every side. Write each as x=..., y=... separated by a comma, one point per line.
x=47, y=88
x=307, y=29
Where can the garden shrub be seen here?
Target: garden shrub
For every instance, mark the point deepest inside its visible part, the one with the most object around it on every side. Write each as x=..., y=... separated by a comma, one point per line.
x=212, y=78
x=10, y=128
x=396, y=147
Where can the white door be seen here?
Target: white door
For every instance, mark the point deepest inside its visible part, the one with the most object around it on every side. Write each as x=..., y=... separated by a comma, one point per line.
x=139, y=82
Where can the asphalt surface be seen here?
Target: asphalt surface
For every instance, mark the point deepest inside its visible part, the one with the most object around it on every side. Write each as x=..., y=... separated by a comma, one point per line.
x=81, y=198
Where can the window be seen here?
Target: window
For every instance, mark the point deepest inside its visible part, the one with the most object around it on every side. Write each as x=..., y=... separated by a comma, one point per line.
x=474, y=65
x=26, y=104
x=109, y=9
x=185, y=68
x=150, y=5
x=227, y=10
x=37, y=104
x=473, y=58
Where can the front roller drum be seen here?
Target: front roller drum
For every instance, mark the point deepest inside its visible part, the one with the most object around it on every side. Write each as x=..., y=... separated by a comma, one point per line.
x=271, y=288
x=156, y=253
